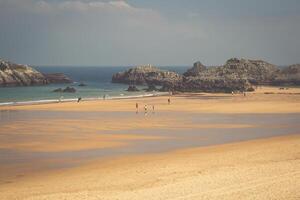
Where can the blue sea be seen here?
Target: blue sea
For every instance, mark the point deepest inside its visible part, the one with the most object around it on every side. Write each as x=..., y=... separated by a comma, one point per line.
x=97, y=79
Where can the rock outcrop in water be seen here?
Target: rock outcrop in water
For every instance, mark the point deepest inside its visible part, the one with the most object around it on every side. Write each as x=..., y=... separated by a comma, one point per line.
x=66, y=90
x=234, y=75
x=82, y=85
x=12, y=74
x=132, y=88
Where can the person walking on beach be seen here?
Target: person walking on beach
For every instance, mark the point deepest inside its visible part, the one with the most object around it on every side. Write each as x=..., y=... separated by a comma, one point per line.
x=79, y=99
x=169, y=100
x=137, y=107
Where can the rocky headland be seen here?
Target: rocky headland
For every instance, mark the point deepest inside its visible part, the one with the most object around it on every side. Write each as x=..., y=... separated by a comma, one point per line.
x=235, y=75
x=12, y=74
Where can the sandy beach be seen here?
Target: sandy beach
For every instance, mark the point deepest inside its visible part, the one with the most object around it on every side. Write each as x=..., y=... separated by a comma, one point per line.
x=149, y=100
x=261, y=168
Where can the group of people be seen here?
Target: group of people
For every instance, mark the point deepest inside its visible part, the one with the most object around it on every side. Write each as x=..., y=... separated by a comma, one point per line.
x=244, y=93
x=136, y=104
x=146, y=106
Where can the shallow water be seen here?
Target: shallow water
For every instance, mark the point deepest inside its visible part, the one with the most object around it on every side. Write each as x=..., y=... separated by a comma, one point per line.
x=260, y=126
x=97, y=79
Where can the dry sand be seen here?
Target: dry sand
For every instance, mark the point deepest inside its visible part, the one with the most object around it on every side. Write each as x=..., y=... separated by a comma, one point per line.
x=259, y=169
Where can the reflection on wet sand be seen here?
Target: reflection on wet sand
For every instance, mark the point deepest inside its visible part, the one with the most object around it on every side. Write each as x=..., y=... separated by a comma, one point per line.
x=39, y=140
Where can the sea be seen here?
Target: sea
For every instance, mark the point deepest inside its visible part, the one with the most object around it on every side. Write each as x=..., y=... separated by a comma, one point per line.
x=97, y=80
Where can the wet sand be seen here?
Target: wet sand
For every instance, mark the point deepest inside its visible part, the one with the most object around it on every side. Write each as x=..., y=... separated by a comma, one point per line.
x=260, y=169
x=40, y=145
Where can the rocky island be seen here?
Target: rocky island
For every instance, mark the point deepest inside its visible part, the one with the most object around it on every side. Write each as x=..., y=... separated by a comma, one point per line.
x=12, y=74
x=145, y=75
x=235, y=75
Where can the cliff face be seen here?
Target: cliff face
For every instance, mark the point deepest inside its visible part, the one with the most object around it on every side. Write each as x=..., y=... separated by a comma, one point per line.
x=12, y=74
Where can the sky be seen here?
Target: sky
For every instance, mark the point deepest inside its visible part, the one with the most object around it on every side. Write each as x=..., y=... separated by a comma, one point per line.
x=158, y=32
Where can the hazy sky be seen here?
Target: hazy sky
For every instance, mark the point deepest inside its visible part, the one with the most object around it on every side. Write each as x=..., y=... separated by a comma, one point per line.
x=160, y=32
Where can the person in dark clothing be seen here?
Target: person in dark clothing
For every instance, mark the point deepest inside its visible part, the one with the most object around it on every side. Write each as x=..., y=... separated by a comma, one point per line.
x=137, y=107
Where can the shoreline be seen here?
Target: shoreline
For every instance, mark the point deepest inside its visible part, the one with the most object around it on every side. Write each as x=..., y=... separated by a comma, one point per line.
x=53, y=101
x=263, y=100
x=270, y=90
